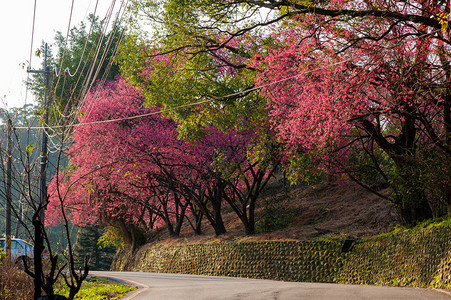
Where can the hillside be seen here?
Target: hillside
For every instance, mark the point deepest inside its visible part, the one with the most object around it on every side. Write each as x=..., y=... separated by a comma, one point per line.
x=304, y=212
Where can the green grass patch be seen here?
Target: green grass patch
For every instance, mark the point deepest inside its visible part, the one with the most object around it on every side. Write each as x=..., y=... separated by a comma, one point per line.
x=426, y=224
x=95, y=289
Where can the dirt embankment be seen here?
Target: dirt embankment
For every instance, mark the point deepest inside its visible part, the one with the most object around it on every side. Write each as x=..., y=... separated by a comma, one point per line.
x=345, y=210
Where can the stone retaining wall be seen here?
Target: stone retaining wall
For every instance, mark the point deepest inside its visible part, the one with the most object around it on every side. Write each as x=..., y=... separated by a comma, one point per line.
x=418, y=257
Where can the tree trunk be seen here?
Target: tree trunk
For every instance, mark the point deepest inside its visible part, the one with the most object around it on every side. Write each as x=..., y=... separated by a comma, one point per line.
x=38, y=249
x=448, y=199
x=249, y=228
x=219, y=223
x=170, y=229
x=409, y=195
x=198, y=224
x=447, y=121
x=252, y=215
x=212, y=196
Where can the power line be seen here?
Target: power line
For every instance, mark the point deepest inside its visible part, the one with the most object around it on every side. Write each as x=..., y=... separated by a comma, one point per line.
x=199, y=102
x=89, y=83
x=67, y=38
x=190, y=104
x=32, y=31
x=98, y=48
x=31, y=50
x=86, y=42
x=109, y=43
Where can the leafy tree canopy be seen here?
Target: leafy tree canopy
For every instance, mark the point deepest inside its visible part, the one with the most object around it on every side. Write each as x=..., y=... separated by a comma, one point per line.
x=81, y=59
x=198, y=77
x=369, y=76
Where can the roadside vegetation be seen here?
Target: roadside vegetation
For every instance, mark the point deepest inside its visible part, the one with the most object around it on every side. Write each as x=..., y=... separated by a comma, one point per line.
x=186, y=127
x=16, y=284
x=95, y=289
x=222, y=99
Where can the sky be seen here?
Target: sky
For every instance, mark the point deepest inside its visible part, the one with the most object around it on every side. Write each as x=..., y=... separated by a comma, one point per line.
x=16, y=22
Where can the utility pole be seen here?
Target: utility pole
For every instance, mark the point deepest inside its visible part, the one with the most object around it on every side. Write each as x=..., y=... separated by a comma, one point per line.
x=44, y=150
x=20, y=215
x=9, y=153
x=39, y=214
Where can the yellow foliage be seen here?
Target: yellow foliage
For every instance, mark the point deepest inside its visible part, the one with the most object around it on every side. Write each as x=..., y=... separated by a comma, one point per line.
x=443, y=19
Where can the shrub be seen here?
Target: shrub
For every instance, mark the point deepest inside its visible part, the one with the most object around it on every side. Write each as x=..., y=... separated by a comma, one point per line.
x=15, y=284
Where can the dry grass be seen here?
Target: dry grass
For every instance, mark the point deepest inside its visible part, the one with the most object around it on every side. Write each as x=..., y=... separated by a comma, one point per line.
x=15, y=284
x=322, y=210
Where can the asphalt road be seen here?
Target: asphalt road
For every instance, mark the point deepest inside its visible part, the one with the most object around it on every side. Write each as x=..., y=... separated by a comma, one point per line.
x=178, y=286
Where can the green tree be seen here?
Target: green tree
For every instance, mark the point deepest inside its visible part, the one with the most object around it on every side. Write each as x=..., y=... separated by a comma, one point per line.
x=199, y=78
x=86, y=245
x=86, y=56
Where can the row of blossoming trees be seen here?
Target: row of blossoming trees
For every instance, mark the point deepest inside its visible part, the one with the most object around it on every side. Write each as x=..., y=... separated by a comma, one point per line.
x=135, y=173
x=349, y=88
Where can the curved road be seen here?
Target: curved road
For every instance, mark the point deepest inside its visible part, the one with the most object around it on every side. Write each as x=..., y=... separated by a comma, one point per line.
x=178, y=286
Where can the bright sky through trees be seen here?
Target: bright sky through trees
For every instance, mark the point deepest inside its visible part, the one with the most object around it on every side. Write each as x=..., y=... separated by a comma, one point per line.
x=16, y=20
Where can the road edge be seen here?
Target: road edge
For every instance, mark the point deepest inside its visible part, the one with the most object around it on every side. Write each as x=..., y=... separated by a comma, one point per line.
x=130, y=295
x=447, y=292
